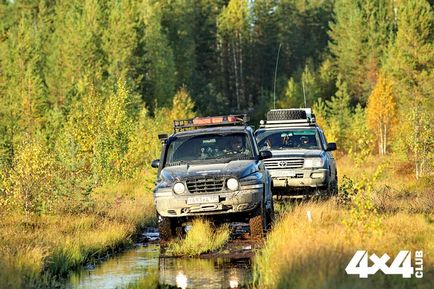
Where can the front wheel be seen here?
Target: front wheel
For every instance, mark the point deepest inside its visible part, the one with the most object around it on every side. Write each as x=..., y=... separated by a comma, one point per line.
x=257, y=223
x=167, y=227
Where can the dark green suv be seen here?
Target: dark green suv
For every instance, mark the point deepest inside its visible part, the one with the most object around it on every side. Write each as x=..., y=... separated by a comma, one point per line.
x=212, y=167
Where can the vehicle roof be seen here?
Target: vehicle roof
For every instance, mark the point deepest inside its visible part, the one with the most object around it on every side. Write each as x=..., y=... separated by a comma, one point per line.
x=215, y=129
x=289, y=127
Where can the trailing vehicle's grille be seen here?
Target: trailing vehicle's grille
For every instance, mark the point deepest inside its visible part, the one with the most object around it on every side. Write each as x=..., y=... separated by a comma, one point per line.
x=205, y=185
x=273, y=164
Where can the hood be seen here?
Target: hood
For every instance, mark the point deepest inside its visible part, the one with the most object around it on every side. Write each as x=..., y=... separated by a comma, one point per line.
x=297, y=153
x=236, y=168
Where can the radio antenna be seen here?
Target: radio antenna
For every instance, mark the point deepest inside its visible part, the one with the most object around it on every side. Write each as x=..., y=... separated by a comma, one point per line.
x=275, y=76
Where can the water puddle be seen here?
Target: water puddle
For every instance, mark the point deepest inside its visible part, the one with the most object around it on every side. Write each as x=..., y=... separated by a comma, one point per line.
x=117, y=271
x=205, y=273
x=136, y=265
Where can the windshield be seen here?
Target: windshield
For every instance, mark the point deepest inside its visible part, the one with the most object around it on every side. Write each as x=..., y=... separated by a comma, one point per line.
x=288, y=139
x=209, y=147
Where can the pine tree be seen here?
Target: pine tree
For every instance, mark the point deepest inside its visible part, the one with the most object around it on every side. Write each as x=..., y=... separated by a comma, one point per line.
x=338, y=114
x=411, y=65
x=160, y=76
x=75, y=49
x=120, y=41
x=233, y=23
x=381, y=112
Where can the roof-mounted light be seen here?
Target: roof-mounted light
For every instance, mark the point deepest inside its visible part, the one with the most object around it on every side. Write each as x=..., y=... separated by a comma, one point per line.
x=197, y=122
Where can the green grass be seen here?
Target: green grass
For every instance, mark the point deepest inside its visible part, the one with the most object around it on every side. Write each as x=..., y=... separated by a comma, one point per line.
x=36, y=251
x=201, y=238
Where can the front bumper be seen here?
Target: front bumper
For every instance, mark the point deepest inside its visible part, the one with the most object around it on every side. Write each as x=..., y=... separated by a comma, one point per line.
x=300, y=178
x=169, y=204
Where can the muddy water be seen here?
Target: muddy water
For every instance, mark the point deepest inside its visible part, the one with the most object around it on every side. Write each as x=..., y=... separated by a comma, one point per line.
x=135, y=264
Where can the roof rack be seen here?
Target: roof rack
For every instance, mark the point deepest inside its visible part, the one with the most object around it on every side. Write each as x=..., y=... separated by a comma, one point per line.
x=210, y=121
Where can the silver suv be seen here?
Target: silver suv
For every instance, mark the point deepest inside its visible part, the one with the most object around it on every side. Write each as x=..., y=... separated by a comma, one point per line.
x=302, y=162
x=211, y=166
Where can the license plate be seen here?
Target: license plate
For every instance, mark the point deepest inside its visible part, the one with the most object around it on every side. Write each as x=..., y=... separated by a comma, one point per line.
x=203, y=200
x=282, y=173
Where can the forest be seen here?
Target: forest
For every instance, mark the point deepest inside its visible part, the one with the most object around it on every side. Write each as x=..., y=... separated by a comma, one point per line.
x=86, y=86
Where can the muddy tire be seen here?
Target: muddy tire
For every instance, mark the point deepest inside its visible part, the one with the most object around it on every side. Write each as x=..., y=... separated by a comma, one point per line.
x=270, y=217
x=257, y=223
x=333, y=187
x=166, y=228
x=286, y=114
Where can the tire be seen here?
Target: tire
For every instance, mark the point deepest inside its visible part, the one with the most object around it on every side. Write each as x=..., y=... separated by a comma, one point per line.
x=257, y=224
x=286, y=114
x=334, y=189
x=166, y=228
x=270, y=217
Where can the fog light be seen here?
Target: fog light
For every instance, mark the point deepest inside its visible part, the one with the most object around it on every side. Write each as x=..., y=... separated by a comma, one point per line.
x=317, y=175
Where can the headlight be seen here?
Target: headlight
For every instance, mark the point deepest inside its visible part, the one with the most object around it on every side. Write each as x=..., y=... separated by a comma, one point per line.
x=313, y=163
x=179, y=188
x=232, y=184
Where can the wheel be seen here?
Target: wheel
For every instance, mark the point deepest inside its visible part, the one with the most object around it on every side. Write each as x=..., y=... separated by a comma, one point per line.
x=270, y=217
x=286, y=114
x=166, y=226
x=257, y=223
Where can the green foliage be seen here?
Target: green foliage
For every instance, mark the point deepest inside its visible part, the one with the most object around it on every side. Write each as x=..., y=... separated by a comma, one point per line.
x=360, y=139
x=160, y=75
x=30, y=185
x=411, y=66
x=363, y=216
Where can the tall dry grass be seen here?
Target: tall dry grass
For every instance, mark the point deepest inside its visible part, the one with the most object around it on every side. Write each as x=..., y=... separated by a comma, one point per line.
x=35, y=251
x=303, y=254
x=201, y=238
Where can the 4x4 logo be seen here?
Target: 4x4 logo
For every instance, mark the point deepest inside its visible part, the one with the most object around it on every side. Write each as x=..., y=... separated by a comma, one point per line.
x=400, y=266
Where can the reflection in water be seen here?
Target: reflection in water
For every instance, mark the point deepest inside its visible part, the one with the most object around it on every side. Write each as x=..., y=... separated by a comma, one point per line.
x=204, y=273
x=119, y=270
x=137, y=265
x=181, y=280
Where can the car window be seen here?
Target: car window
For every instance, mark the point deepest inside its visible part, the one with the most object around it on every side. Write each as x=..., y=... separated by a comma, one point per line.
x=210, y=147
x=288, y=139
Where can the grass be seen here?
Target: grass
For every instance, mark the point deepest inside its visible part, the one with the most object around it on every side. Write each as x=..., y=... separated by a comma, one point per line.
x=389, y=212
x=201, y=238
x=302, y=254
x=36, y=251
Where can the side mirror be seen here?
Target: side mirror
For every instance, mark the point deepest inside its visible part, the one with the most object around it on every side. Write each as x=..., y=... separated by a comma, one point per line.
x=265, y=155
x=155, y=163
x=163, y=137
x=331, y=146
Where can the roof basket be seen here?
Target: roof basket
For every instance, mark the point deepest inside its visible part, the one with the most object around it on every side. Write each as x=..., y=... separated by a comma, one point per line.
x=210, y=121
x=291, y=117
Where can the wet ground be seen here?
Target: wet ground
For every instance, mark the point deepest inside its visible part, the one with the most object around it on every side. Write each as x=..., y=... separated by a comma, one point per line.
x=228, y=268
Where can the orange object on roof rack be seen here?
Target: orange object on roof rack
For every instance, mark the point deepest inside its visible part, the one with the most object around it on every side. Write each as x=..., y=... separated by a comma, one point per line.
x=197, y=122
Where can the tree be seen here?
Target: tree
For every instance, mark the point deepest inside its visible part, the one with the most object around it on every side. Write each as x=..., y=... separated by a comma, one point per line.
x=359, y=36
x=411, y=65
x=339, y=114
x=381, y=112
x=233, y=23
x=76, y=51
x=160, y=76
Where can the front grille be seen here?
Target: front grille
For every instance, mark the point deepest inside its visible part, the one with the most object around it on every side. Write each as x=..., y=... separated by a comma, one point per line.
x=203, y=185
x=273, y=164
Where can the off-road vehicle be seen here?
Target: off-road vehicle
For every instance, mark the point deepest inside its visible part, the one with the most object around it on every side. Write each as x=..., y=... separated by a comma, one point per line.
x=212, y=167
x=302, y=162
